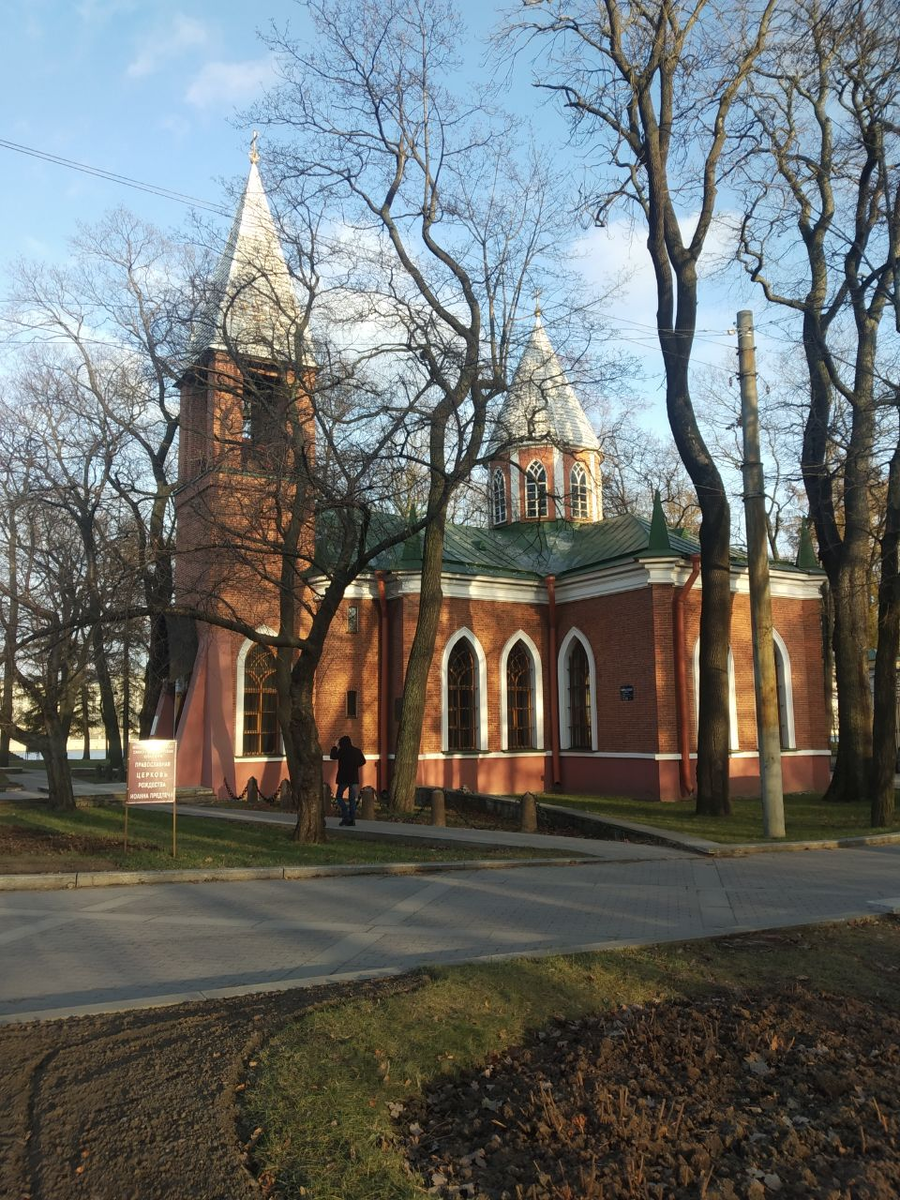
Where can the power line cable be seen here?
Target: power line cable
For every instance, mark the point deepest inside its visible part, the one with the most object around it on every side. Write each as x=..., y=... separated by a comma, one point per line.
x=123, y=180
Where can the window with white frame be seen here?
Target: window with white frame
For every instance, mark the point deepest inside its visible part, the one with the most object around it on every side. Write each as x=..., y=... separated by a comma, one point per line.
x=498, y=493
x=578, y=674
x=733, y=742
x=535, y=491
x=578, y=493
x=520, y=706
x=260, y=703
x=577, y=684
x=785, y=693
x=462, y=697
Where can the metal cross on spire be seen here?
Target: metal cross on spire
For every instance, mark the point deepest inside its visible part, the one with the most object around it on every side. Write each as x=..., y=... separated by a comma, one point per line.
x=254, y=153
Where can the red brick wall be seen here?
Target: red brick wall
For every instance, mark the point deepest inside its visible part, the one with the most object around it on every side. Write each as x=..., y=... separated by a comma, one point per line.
x=799, y=624
x=544, y=455
x=350, y=661
x=620, y=629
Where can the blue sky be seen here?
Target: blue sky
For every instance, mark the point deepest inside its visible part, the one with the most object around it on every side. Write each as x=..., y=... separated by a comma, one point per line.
x=150, y=91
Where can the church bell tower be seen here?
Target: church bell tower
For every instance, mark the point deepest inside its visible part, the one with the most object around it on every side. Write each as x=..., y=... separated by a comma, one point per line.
x=544, y=454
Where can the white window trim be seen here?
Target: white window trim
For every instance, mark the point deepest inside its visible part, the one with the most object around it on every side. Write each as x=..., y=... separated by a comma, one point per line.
x=536, y=480
x=578, y=477
x=563, y=685
x=498, y=476
x=733, y=740
x=556, y=487
x=788, y=689
x=538, y=674
x=481, y=722
x=515, y=490
x=239, y=701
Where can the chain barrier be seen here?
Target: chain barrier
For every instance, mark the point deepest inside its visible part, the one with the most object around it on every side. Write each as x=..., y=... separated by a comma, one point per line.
x=273, y=799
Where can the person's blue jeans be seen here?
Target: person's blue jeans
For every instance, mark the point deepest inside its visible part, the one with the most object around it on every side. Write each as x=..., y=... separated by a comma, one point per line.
x=348, y=811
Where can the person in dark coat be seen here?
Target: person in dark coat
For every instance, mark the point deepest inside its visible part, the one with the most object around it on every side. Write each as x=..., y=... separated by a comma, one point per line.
x=349, y=759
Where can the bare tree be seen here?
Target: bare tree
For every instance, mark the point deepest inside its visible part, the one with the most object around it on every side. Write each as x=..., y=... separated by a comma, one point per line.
x=447, y=232
x=118, y=316
x=651, y=88
x=825, y=111
x=62, y=572
x=636, y=464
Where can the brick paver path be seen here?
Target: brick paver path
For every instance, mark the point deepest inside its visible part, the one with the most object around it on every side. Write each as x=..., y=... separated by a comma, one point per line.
x=99, y=949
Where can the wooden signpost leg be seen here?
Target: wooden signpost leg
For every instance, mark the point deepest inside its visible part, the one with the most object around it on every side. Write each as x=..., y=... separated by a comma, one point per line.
x=125, y=847
x=174, y=806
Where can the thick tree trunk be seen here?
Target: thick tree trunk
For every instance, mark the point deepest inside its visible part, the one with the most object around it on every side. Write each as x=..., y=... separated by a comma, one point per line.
x=85, y=724
x=6, y=713
x=108, y=705
x=304, y=754
x=12, y=630
x=845, y=555
x=851, y=769
x=713, y=763
x=884, y=724
x=56, y=760
x=714, y=722
x=159, y=589
x=412, y=715
x=156, y=673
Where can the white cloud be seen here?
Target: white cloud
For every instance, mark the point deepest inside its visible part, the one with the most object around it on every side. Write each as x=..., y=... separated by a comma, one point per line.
x=224, y=84
x=160, y=47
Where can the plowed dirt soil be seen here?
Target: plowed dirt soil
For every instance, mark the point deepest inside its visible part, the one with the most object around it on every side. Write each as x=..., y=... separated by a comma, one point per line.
x=141, y=1105
x=789, y=1095
x=738, y=1096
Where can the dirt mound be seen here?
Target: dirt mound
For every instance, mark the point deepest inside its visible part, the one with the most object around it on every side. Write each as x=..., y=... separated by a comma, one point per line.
x=784, y=1095
x=22, y=839
x=25, y=850
x=140, y=1105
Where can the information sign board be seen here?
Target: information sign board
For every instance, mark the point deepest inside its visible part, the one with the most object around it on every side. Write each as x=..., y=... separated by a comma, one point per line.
x=151, y=772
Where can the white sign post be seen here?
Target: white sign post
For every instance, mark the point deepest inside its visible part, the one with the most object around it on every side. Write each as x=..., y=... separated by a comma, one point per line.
x=151, y=777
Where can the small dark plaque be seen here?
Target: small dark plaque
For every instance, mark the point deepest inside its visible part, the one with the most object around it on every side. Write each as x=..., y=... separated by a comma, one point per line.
x=626, y=691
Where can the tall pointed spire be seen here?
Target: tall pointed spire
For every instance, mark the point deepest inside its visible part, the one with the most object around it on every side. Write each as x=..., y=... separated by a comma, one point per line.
x=545, y=455
x=252, y=308
x=541, y=405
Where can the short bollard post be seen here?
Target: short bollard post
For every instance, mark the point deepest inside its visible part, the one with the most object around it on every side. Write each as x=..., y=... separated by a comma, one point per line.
x=438, y=810
x=252, y=790
x=367, y=803
x=285, y=795
x=326, y=799
x=528, y=813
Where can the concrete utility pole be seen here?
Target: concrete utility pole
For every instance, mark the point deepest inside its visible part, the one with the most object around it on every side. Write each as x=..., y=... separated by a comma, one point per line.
x=768, y=733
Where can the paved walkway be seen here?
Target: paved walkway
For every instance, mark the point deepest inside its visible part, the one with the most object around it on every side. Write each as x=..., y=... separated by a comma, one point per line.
x=94, y=950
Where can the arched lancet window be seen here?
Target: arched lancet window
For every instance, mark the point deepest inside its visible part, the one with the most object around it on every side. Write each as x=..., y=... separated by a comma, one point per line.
x=462, y=697
x=536, y=490
x=520, y=698
x=498, y=495
x=578, y=493
x=578, y=674
x=260, y=716
x=733, y=743
x=785, y=692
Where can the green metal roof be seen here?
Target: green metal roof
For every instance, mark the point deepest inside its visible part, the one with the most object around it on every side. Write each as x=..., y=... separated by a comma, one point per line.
x=533, y=549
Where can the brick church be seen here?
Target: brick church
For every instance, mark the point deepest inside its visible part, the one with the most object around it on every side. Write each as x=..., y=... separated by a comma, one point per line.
x=567, y=653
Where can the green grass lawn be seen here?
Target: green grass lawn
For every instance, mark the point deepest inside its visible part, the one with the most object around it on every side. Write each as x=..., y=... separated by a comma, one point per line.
x=322, y=1091
x=209, y=842
x=806, y=817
